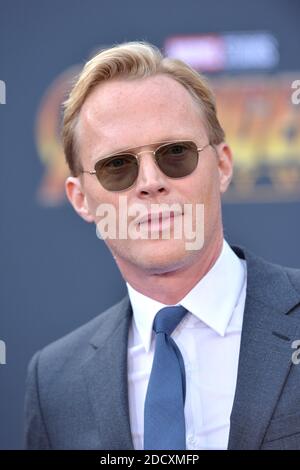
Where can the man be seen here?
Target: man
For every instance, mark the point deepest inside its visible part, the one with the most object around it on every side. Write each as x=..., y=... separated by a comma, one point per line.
x=199, y=354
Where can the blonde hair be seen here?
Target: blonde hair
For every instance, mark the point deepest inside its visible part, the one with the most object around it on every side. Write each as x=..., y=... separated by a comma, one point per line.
x=129, y=61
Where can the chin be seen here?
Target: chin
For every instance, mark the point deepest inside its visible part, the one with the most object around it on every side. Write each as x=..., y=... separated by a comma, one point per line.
x=158, y=256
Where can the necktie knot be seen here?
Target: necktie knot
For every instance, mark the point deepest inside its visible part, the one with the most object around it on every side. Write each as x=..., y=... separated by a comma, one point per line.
x=168, y=318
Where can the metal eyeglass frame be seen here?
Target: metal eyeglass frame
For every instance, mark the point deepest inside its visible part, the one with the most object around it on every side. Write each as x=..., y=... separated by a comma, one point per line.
x=130, y=150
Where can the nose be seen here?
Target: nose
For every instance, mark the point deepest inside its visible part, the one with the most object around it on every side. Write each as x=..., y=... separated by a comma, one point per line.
x=151, y=181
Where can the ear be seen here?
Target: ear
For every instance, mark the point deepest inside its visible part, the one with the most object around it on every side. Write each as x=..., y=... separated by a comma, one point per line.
x=77, y=198
x=225, y=165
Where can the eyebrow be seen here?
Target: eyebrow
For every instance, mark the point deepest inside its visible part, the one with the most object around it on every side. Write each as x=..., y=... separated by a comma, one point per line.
x=127, y=149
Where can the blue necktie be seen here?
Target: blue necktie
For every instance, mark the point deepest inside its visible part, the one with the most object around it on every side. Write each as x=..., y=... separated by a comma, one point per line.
x=164, y=423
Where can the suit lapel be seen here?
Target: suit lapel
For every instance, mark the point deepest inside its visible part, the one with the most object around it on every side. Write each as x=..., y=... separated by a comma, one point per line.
x=265, y=352
x=106, y=378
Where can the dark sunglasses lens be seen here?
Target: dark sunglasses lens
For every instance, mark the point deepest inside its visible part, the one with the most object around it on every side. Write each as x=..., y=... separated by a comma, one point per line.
x=178, y=159
x=118, y=172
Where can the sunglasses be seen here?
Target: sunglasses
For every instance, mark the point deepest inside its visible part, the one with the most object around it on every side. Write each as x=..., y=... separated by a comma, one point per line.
x=119, y=171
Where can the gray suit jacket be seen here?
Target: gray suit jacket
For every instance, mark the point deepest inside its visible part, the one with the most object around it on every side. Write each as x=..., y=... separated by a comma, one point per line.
x=77, y=395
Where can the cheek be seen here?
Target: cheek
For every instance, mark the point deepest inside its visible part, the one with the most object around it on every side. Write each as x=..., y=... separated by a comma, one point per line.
x=204, y=187
x=93, y=204
x=99, y=200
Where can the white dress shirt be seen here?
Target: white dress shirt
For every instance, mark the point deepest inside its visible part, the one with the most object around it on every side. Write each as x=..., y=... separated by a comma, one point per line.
x=209, y=340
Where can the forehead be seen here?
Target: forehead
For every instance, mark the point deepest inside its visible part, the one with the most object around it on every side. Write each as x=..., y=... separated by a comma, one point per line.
x=129, y=113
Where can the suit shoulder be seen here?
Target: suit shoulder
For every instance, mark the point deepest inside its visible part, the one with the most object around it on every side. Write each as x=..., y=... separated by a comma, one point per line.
x=268, y=268
x=272, y=284
x=278, y=270
x=294, y=277
x=73, y=347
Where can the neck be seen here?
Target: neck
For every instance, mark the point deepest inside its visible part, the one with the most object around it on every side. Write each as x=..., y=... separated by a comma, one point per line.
x=171, y=286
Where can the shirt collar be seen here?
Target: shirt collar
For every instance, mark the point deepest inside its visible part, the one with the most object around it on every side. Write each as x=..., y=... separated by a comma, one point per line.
x=212, y=300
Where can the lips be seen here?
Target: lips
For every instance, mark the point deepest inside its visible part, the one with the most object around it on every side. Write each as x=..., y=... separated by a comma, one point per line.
x=158, y=217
